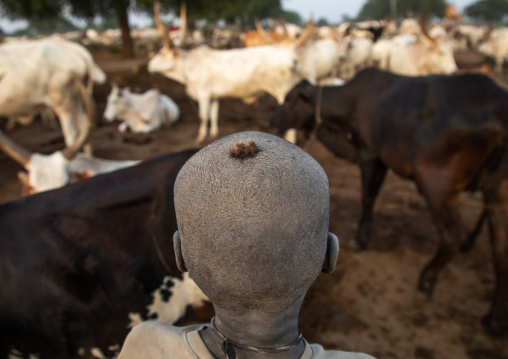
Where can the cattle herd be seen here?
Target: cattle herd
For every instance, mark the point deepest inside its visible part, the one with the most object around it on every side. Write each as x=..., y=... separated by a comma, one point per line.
x=90, y=240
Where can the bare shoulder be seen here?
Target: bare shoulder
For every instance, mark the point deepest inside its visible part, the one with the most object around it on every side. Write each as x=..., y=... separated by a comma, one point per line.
x=151, y=339
x=318, y=352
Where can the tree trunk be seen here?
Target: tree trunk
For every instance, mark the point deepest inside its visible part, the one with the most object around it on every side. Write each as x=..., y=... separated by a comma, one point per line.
x=123, y=20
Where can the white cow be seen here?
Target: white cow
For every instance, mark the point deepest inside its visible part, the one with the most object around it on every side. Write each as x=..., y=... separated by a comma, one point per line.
x=39, y=74
x=496, y=45
x=47, y=172
x=357, y=57
x=141, y=113
x=416, y=55
x=320, y=59
x=210, y=75
x=409, y=27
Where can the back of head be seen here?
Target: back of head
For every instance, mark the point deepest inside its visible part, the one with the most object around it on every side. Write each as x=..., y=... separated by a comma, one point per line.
x=253, y=212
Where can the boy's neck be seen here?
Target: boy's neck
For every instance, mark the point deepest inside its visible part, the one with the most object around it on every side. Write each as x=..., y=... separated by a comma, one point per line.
x=256, y=329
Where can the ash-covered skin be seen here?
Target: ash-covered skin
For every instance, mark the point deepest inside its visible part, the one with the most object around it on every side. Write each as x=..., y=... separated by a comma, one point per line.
x=253, y=229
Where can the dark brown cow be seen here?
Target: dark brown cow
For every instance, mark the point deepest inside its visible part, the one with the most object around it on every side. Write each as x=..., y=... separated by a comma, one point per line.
x=446, y=133
x=74, y=262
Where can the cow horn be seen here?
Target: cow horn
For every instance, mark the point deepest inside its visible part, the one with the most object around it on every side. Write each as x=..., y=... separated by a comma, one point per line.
x=308, y=31
x=13, y=150
x=423, y=26
x=165, y=36
x=70, y=151
x=183, y=21
x=263, y=33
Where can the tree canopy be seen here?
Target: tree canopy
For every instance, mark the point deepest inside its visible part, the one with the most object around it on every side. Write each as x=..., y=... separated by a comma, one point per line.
x=244, y=10
x=380, y=9
x=488, y=10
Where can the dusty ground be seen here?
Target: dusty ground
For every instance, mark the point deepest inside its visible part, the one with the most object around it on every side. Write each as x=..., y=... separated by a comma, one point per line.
x=370, y=303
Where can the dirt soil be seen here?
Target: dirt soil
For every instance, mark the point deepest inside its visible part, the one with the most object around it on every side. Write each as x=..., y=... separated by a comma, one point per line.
x=370, y=303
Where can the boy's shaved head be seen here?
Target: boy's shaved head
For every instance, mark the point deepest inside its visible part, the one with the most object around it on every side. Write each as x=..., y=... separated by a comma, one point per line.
x=252, y=212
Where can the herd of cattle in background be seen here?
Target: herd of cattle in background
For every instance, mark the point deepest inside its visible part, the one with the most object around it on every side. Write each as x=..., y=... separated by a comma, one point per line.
x=93, y=253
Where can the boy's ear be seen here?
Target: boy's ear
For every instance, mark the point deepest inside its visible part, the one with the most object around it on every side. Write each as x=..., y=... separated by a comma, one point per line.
x=332, y=253
x=177, y=245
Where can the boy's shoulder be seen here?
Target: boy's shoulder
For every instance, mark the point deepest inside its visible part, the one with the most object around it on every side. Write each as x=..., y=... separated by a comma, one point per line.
x=158, y=340
x=316, y=351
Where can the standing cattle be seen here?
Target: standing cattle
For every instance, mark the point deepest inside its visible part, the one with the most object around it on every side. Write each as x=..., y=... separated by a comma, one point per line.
x=496, y=45
x=357, y=56
x=416, y=55
x=39, y=74
x=210, y=75
x=77, y=261
x=447, y=133
x=319, y=60
x=141, y=113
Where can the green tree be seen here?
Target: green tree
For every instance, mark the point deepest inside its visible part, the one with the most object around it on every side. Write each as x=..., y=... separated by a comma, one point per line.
x=31, y=9
x=488, y=10
x=292, y=17
x=380, y=9
x=245, y=10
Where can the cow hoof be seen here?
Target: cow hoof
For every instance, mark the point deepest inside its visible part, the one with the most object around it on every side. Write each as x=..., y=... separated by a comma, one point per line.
x=496, y=327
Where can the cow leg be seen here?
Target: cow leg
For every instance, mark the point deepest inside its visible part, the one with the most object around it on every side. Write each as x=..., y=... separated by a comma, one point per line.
x=471, y=239
x=69, y=131
x=452, y=232
x=72, y=120
x=496, y=321
x=373, y=173
x=214, y=119
x=204, y=110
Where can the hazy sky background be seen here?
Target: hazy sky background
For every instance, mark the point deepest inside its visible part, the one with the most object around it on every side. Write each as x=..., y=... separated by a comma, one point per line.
x=332, y=10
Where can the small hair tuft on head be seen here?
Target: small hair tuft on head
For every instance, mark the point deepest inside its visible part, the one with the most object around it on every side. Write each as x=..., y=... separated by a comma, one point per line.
x=241, y=150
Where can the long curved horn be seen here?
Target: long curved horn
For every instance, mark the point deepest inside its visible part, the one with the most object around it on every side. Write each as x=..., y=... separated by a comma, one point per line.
x=423, y=26
x=13, y=150
x=183, y=21
x=71, y=151
x=263, y=33
x=308, y=31
x=157, y=17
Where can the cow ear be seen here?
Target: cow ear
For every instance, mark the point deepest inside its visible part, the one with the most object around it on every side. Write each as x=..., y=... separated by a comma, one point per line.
x=332, y=253
x=177, y=245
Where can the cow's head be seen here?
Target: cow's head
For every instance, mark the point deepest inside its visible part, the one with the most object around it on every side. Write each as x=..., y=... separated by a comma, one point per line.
x=44, y=172
x=165, y=61
x=298, y=110
x=439, y=57
x=117, y=105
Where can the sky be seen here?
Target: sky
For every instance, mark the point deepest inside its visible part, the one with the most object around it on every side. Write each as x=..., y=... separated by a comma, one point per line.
x=331, y=10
